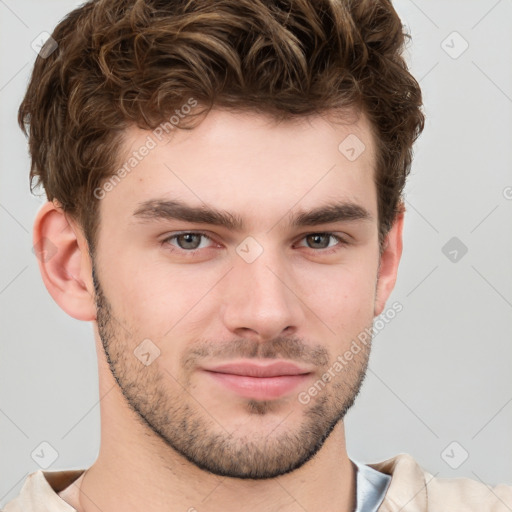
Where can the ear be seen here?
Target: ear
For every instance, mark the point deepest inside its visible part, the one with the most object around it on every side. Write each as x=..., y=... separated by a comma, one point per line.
x=64, y=262
x=389, y=260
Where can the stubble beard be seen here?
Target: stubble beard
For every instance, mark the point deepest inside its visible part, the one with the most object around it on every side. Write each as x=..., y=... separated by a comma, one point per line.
x=189, y=429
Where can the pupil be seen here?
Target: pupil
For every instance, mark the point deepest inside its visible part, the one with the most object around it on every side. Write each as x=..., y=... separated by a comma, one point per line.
x=189, y=240
x=316, y=239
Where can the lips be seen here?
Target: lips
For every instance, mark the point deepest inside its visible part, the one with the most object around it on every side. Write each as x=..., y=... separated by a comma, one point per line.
x=259, y=381
x=275, y=369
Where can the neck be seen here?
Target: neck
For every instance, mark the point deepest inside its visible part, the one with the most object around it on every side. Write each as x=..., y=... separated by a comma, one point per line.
x=136, y=470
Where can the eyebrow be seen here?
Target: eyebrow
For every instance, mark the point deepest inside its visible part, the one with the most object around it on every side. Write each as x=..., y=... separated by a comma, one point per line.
x=171, y=209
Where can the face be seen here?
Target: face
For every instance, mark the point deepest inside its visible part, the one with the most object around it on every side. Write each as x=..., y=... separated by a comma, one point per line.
x=234, y=264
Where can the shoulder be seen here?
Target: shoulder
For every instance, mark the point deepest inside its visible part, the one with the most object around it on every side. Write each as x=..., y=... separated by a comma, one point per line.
x=413, y=488
x=40, y=491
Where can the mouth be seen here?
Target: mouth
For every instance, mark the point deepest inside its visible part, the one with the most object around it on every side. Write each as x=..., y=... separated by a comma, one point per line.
x=259, y=381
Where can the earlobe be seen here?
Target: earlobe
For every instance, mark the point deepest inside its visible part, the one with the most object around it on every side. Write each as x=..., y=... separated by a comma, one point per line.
x=389, y=261
x=64, y=262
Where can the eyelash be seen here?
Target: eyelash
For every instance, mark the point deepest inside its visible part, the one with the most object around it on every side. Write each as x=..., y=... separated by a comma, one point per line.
x=166, y=242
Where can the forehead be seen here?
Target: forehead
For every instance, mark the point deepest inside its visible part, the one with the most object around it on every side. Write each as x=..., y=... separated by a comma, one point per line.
x=253, y=132
x=245, y=161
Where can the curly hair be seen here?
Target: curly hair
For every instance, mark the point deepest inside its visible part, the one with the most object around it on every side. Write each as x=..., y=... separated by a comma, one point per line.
x=134, y=62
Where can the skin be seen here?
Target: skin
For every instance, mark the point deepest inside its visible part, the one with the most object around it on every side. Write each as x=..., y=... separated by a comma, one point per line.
x=172, y=437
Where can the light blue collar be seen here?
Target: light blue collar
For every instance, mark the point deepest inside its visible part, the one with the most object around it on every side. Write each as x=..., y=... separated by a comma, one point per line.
x=371, y=487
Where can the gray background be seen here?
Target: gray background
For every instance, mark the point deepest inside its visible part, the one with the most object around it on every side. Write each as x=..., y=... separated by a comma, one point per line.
x=439, y=372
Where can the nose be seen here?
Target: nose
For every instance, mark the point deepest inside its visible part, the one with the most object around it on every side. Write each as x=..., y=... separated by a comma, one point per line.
x=260, y=299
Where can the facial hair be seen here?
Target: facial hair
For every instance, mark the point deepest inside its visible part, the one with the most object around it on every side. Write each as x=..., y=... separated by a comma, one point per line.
x=186, y=426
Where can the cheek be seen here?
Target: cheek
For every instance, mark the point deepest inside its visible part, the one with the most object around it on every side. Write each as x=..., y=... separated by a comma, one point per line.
x=139, y=296
x=341, y=295
x=348, y=305
x=164, y=302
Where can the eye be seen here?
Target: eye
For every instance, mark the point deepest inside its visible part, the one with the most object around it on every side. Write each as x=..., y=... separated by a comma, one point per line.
x=191, y=241
x=323, y=241
x=187, y=241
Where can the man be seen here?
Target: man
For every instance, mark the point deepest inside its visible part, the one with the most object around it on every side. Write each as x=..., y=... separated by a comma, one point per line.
x=224, y=186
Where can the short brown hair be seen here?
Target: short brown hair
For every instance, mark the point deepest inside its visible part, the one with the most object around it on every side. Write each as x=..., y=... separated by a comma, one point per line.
x=134, y=62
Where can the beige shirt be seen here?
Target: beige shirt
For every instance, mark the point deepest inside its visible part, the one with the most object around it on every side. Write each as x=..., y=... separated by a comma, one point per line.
x=412, y=489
